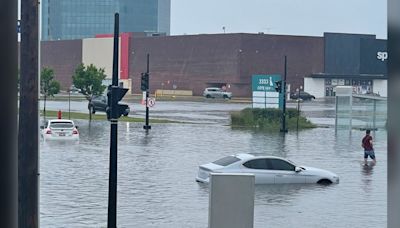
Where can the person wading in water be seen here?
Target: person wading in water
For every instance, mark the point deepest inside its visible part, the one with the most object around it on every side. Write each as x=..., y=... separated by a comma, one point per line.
x=368, y=147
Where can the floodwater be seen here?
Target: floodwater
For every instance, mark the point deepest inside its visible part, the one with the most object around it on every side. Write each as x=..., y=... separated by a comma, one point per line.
x=156, y=171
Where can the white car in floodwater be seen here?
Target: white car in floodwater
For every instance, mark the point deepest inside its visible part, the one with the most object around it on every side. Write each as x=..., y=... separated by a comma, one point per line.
x=267, y=170
x=59, y=129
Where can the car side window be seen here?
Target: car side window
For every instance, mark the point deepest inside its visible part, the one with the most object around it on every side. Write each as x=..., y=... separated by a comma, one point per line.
x=257, y=164
x=278, y=164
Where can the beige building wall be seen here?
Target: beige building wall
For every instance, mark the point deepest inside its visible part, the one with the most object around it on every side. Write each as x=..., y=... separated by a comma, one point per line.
x=99, y=52
x=315, y=86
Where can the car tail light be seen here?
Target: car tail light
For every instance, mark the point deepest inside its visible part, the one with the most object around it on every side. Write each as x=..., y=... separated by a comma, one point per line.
x=48, y=132
x=75, y=132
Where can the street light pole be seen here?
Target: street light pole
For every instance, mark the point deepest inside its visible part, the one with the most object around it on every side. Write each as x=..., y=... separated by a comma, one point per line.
x=69, y=103
x=147, y=126
x=112, y=181
x=298, y=109
x=283, y=128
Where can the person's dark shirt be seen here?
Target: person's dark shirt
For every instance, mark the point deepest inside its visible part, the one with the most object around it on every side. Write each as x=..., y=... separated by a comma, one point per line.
x=366, y=141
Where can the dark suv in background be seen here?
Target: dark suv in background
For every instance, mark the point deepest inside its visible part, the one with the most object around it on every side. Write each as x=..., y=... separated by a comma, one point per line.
x=302, y=95
x=99, y=103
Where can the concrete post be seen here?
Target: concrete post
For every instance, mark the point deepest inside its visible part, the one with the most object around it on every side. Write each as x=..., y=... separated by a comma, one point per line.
x=231, y=202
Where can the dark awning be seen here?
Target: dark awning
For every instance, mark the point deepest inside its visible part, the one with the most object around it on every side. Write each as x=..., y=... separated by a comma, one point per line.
x=349, y=76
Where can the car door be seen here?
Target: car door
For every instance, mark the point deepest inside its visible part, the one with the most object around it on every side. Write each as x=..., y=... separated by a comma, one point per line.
x=213, y=93
x=260, y=169
x=103, y=103
x=284, y=172
x=219, y=93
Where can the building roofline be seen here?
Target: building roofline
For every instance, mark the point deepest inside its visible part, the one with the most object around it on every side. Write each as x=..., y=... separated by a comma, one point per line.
x=344, y=76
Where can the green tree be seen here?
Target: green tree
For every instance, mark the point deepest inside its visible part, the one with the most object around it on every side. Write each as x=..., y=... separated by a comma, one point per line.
x=48, y=85
x=89, y=80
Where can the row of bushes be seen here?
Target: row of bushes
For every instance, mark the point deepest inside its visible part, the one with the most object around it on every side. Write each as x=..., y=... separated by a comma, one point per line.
x=268, y=119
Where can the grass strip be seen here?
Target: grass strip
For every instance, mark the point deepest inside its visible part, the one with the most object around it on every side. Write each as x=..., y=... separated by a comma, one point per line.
x=85, y=116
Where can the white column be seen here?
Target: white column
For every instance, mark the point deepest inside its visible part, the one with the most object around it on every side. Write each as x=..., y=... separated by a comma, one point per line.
x=231, y=202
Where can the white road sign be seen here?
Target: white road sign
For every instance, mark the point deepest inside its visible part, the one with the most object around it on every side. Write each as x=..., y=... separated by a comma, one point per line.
x=151, y=102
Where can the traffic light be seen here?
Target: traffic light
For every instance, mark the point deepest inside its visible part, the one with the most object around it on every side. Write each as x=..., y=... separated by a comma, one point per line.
x=115, y=110
x=108, y=108
x=278, y=86
x=144, y=82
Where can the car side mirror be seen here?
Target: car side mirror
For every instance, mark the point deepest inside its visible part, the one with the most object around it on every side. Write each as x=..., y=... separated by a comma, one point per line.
x=297, y=169
x=41, y=127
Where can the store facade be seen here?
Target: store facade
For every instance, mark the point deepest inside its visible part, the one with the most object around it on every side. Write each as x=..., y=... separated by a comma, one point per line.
x=353, y=60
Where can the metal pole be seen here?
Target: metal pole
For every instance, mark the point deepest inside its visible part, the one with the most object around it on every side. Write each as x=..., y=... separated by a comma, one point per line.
x=44, y=107
x=8, y=114
x=336, y=113
x=112, y=181
x=283, y=129
x=69, y=104
x=147, y=126
x=298, y=113
x=265, y=99
x=374, y=116
x=28, y=134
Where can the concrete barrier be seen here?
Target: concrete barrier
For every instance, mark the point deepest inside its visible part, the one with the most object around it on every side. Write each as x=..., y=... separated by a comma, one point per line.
x=166, y=92
x=231, y=202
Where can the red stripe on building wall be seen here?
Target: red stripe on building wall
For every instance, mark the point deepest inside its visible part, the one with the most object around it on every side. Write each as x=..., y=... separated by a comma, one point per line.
x=124, y=56
x=124, y=68
x=104, y=36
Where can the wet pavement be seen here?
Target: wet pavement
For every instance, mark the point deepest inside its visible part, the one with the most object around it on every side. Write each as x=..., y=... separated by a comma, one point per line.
x=209, y=111
x=156, y=186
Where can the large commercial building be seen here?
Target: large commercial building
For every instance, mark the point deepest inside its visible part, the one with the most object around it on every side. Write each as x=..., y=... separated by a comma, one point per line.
x=194, y=62
x=77, y=19
x=353, y=60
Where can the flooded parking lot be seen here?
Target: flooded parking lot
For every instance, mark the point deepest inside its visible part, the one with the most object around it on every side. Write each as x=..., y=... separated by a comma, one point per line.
x=156, y=186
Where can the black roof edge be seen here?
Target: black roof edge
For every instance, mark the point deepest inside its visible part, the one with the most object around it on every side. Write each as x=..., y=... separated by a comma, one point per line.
x=348, y=76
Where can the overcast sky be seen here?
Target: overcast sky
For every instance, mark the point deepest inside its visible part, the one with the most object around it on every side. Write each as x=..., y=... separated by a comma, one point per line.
x=294, y=17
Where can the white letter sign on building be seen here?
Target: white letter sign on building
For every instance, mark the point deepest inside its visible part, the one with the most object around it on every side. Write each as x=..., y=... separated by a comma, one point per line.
x=382, y=55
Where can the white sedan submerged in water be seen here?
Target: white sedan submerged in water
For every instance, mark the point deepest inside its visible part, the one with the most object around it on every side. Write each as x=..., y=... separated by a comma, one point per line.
x=267, y=170
x=59, y=129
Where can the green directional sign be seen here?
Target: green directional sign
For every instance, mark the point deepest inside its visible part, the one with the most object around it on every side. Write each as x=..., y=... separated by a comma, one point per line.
x=264, y=94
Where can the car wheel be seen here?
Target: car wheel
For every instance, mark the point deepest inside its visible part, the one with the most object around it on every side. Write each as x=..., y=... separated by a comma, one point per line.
x=126, y=114
x=226, y=97
x=208, y=96
x=324, y=182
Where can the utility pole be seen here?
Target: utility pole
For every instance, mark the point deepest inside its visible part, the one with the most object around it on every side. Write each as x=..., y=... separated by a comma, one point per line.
x=114, y=111
x=28, y=133
x=147, y=126
x=112, y=181
x=283, y=128
x=8, y=114
x=298, y=108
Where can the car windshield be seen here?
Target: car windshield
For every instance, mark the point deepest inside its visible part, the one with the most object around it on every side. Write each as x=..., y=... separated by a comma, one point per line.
x=61, y=125
x=226, y=161
x=100, y=98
